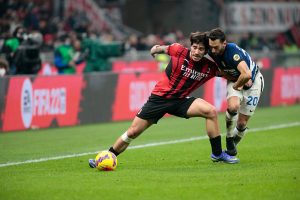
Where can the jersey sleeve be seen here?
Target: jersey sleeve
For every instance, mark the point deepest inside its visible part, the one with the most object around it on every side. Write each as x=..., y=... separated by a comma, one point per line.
x=235, y=56
x=175, y=49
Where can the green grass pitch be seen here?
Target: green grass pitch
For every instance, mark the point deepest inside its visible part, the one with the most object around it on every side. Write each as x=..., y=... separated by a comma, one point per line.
x=269, y=165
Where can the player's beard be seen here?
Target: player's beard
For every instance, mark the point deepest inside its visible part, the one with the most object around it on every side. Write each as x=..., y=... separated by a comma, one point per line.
x=220, y=52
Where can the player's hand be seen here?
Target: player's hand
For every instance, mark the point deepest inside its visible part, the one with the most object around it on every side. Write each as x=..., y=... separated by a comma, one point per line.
x=154, y=50
x=249, y=83
x=237, y=88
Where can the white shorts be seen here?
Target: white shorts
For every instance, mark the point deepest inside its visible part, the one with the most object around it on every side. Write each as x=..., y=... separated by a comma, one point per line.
x=248, y=98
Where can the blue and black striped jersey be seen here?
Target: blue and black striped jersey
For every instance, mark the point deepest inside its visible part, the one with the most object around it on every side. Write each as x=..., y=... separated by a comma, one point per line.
x=230, y=59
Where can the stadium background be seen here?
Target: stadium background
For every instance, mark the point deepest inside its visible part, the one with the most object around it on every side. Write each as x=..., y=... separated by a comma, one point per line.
x=270, y=31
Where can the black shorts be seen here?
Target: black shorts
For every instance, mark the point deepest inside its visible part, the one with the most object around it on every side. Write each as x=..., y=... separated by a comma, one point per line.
x=156, y=107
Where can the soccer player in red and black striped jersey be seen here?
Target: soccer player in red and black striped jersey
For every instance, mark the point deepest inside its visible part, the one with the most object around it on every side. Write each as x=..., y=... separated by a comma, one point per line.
x=187, y=70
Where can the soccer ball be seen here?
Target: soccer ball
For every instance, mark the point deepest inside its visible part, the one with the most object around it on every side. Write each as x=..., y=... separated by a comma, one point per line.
x=106, y=161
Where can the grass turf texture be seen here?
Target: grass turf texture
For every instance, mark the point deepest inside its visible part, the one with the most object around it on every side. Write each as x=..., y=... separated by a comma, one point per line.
x=269, y=167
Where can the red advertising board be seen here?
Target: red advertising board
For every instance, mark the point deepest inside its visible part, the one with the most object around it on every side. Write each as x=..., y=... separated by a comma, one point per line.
x=215, y=93
x=131, y=93
x=48, y=69
x=135, y=66
x=41, y=102
x=285, y=86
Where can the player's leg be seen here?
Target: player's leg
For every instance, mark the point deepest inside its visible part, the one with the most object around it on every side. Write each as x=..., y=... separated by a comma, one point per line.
x=150, y=113
x=241, y=128
x=153, y=110
x=201, y=108
x=248, y=107
x=233, y=104
x=137, y=127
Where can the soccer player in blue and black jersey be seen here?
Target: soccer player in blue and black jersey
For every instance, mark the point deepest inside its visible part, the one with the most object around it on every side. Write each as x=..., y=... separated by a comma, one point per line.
x=244, y=93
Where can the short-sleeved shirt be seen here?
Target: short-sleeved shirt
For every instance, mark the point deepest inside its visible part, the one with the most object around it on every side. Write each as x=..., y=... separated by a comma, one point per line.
x=228, y=62
x=183, y=75
x=232, y=56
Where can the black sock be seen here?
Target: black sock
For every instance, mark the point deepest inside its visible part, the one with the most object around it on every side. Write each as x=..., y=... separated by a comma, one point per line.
x=111, y=149
x=216, y=145
x=231, y=113
x=230, y=143
x=241, y=129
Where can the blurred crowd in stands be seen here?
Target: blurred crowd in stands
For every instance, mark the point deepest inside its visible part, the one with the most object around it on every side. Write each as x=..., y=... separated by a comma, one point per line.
x=27, y=29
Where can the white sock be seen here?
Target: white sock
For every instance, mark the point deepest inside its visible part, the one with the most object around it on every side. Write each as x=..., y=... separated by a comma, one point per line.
x=230, y=123
x=239, y=133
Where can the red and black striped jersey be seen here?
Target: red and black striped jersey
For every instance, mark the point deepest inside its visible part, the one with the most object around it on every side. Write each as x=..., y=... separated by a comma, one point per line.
x=183, y=75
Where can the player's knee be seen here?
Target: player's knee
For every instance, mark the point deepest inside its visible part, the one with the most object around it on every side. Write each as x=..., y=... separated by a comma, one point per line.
x=233, y=108
x=212, y=112
x=241, y=125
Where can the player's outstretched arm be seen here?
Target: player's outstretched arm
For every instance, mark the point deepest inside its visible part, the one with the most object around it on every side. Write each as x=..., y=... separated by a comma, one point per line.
x=158, y=49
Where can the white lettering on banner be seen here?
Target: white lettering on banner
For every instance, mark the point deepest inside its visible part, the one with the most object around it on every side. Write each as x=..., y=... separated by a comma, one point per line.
x=26, y=103
x=139, y=92
x=290, y=86
x=49, y=101
x=258, y=16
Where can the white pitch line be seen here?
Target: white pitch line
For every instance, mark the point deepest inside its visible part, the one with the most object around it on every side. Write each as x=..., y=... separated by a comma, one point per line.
x=144, y=145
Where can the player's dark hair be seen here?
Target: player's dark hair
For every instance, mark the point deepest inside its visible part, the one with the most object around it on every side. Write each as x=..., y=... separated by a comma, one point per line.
x=199, y=37
x=217, y=34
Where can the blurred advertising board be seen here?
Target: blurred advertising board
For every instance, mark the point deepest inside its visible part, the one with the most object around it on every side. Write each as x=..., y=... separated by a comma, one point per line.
x=41, y=102
x=285, y=86
x=259, y=16
x=32, y=102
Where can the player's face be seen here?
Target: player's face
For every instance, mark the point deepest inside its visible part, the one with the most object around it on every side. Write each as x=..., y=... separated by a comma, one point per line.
x=197, y=51
x=217, y=47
